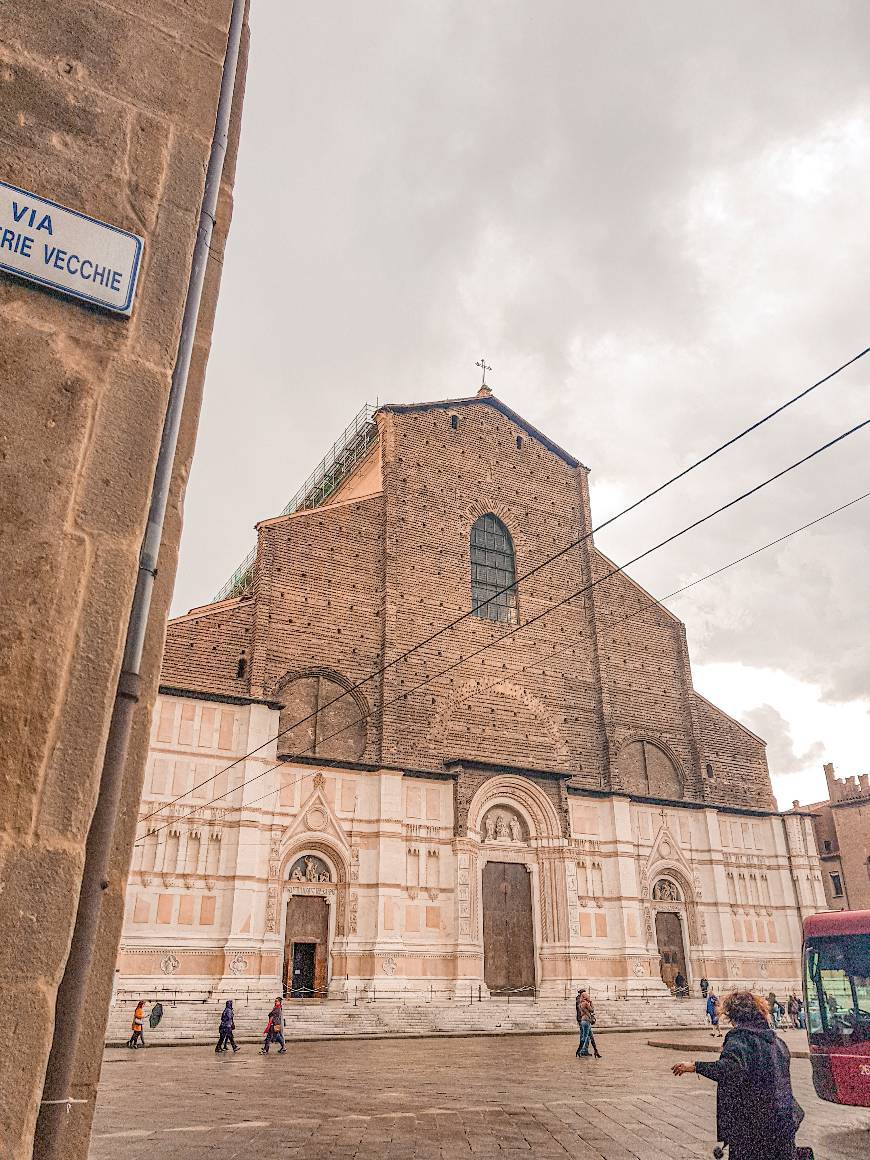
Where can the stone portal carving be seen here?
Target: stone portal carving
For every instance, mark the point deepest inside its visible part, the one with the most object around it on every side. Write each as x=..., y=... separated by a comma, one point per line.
x=501, y=824
x=310, y=869
x=666, y=891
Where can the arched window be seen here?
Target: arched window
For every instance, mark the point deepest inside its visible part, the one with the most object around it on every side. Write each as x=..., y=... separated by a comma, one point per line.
x=492, y=569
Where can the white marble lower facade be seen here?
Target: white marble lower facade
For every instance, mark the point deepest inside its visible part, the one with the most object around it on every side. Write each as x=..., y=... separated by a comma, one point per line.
x=362, y=879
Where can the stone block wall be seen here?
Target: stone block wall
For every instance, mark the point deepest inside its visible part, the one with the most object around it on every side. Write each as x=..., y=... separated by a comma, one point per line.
x=109, y=111
x=208, y=896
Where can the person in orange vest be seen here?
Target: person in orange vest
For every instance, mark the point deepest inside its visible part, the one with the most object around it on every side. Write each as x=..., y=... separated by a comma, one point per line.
x=137, y=1039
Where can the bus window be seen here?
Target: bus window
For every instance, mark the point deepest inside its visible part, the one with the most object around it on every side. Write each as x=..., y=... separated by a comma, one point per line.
x=838, y=990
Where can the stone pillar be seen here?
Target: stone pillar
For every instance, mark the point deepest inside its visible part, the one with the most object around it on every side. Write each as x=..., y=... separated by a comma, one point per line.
x=110, y=112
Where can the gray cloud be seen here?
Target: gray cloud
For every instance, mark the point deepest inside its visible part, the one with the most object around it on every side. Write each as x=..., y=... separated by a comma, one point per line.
x=782, y=757
x=650, y=218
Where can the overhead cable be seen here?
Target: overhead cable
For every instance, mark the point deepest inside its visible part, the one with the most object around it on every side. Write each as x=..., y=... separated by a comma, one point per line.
x=552, y=607
x=532, y=571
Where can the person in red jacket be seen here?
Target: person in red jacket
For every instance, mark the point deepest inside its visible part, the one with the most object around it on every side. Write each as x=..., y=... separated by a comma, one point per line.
x=274, y=1029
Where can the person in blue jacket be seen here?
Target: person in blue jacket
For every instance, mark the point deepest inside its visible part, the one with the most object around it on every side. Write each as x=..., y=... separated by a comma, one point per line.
x=713, y=1012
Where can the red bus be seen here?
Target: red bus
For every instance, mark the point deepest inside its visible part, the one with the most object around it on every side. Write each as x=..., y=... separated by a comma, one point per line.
x=837, y=1004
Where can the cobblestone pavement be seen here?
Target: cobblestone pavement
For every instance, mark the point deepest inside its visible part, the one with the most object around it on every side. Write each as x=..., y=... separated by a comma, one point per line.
x=429, y=1099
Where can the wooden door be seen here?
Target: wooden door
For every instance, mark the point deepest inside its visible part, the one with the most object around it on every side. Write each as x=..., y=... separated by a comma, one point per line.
x=672, y=953
x=508, y=938
x=307, y=925
x=304, y=955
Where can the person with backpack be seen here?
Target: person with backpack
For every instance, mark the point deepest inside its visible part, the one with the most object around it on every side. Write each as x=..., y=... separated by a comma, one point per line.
x=137, y=1039
x=227, y=1027
x=757, y=1115
x=586, y=1020
x=713, y=1013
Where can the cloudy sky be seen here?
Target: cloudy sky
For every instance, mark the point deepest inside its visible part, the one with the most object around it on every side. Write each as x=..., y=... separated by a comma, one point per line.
x=651, y=218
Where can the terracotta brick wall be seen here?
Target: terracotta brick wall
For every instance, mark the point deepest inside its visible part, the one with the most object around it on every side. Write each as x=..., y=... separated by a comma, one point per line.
x=737, y=758
x=204, y=648
x=343, y=587
x=318, y=599
x=643, y=671
x=513, y=703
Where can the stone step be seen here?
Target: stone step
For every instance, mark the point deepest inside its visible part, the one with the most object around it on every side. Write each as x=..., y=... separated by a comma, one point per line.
x=198, y=1022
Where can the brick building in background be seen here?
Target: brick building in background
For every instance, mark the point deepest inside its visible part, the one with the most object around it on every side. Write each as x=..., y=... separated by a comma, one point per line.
x=529, y=800
x=842, y=828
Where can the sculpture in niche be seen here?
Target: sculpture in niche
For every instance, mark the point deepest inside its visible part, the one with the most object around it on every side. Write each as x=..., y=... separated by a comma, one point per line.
x=310, y=869
x=502, y=825
x=666, y=891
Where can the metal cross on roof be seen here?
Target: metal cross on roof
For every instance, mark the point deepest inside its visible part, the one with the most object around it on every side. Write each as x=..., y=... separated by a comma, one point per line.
x=484, y=368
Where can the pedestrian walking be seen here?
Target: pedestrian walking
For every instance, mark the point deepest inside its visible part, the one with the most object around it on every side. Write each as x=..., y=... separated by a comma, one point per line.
x=757, y=1115
x=137, y=1039
x=713, y=1013
x=796, y=1010
x=585, y=1011
x=227, y=1027
x=772, y=1005
x=274, y=1029
x=705, y=987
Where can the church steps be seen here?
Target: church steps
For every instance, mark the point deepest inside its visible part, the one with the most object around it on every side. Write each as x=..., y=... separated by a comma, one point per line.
x=197, y=1022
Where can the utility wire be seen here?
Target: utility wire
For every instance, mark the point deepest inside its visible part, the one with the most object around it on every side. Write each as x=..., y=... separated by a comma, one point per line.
x=546, y=611
x=652, y=602
x=532, y=571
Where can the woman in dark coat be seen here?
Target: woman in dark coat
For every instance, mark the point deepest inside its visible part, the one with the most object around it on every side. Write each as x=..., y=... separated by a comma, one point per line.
x=225, y=1034
x=756, y=1113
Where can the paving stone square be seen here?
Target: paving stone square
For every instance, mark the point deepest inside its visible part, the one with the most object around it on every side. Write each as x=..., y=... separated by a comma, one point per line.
x=510, y=1098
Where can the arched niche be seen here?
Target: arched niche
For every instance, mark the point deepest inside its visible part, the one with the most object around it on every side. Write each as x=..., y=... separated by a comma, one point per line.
x=503, y=825
x=519, y=797
x=310, y=868
x=666, y=890
x=647, y=768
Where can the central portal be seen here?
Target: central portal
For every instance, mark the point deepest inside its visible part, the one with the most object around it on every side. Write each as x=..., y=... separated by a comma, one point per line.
x=508, y=939
x=306, y=946
x=672, y=952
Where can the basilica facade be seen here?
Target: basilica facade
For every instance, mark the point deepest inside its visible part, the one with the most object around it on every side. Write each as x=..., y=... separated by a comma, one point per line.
x=342, y=799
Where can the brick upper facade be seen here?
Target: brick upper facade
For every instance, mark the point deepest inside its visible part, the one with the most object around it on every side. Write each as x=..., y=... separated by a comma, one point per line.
x=600, y=688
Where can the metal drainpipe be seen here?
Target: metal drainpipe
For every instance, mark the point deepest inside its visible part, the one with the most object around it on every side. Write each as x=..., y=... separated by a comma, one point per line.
x=56, y=1096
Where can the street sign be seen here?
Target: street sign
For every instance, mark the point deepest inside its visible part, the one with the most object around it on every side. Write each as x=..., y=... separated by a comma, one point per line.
x=68, y=251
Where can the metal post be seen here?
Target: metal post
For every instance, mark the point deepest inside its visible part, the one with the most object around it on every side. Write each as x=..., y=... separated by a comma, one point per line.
x=56, y=1094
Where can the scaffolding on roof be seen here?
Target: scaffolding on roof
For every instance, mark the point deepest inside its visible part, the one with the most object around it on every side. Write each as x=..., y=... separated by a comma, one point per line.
x=346, y=452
